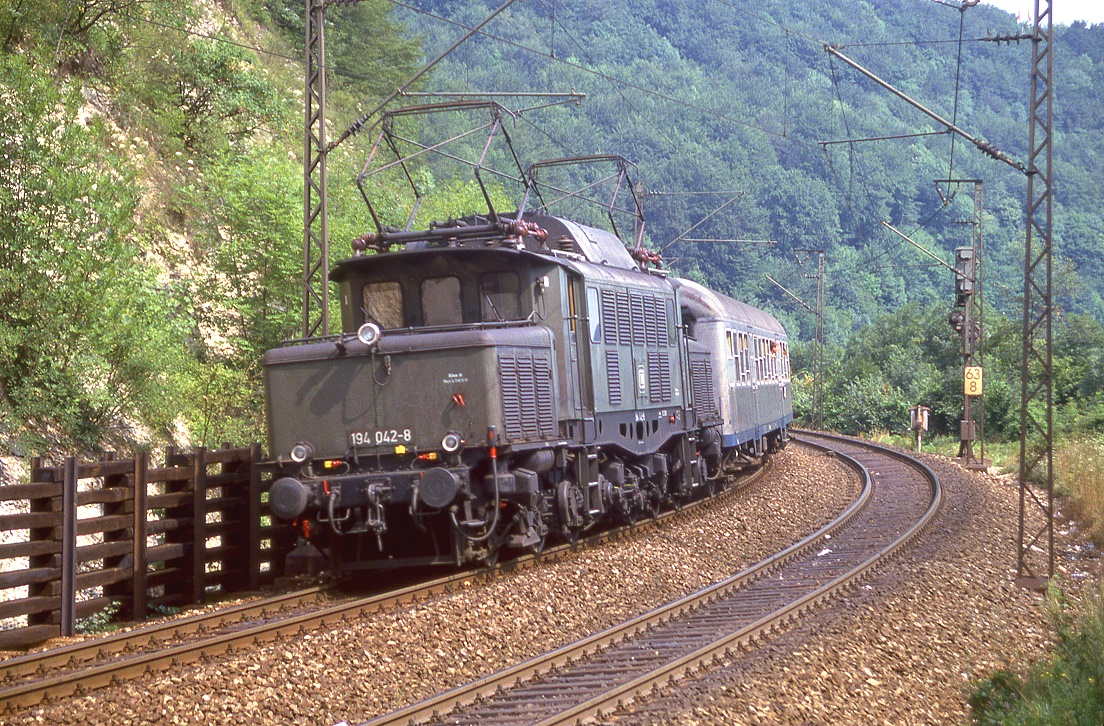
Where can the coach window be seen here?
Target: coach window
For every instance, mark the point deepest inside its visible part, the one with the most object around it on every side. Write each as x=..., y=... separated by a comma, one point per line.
x=441, y=301
x=745, y=362
x=383, y=304
x=499, y=298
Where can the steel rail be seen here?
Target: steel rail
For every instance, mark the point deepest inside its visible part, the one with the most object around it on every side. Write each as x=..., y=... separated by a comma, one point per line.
x=84, y=679
x=438, y=706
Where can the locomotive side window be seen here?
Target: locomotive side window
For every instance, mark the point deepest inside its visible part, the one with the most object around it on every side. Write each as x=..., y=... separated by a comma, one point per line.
x=441, y=301
x=594, y=315
x=383, y=304
x=671, y=327
x=498, y=295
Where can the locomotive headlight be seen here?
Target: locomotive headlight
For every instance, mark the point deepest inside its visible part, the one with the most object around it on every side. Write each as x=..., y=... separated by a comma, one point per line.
x=452, y=442
x=369, y=334
x=301, y=452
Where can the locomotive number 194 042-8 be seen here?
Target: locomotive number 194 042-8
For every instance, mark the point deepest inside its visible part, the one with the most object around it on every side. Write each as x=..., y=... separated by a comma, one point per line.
x=380, y=437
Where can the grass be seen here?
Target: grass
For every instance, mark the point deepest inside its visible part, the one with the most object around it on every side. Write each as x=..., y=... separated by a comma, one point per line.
x=1079, y=473
x=1066, y=689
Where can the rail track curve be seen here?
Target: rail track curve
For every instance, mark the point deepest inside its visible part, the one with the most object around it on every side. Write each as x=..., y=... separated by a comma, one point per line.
x=593, y=676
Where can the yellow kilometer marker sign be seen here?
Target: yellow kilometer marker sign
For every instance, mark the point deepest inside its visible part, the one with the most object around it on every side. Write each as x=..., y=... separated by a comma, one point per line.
x=972, y=381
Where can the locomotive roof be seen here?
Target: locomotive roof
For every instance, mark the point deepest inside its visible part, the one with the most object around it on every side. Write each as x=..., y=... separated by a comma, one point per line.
x=543, y=234
x=707, y=305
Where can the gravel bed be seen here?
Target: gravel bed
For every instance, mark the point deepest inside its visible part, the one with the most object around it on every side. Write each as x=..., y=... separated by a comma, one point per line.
x=904, y=646
x=382, y=661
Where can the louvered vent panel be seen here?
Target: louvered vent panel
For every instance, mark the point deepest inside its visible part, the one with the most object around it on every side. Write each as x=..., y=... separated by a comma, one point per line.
x=542, y=379
x=527, y=393
x=701, y=378
x=638, y=322
x=661, y=322
x=651, y=321
x=613, y=378
x=624, y=319
x=609, y=317
x=659, y=377
x=511, y=400
x=527, y=402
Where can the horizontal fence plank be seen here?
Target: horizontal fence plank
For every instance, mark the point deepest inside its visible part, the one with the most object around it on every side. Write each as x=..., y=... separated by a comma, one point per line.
x=171, y=474
x=110, y=495
x=167, y=574
x=164, y=526
x=28, y=549
x=225, y=527
x=18, y=578
x=226, y=456
x=100, y=578
x=111, y=523
x=34, y=490
x=97, y=469
x=29, y=520
x=86, y=608
x=229, y=479
x=104, y=549
x=168, y=501
x=28, y=606
x=26, y=637
x=166, y=552
x=221, y=503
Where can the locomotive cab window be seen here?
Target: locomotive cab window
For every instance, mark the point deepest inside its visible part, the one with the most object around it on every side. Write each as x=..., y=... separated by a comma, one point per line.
x=441, y=301
x=383, y=304
x=594, y=315
x=499, y=295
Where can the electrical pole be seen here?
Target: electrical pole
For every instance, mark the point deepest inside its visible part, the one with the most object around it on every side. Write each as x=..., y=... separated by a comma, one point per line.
x=1036, y=379
x=316, y=262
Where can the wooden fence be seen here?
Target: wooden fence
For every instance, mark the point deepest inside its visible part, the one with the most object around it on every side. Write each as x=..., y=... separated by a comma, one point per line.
x=123, y=536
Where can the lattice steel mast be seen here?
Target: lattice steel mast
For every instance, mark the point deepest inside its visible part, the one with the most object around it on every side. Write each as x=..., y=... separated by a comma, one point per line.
x=316, y=263
x=1037, y=381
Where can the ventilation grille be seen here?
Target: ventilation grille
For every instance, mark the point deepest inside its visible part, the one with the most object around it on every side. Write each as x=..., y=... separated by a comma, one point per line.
x=659, y=377
x=638, y=320
x=613, y=378
x=701, y=380
x=624, y=319
x=527, y=407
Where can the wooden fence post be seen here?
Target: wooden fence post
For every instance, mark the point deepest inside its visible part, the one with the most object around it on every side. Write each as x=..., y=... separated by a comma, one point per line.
x=141, y=469
x=199, y=525
x=69, y=548
x=254, y=557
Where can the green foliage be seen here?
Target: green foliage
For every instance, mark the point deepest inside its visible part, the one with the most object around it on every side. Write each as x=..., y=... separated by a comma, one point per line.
x=99, y=622
x=83, y=325
x=1066, y=689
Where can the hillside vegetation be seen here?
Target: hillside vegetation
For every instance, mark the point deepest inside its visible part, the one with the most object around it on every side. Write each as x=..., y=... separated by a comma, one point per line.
x=151, y=198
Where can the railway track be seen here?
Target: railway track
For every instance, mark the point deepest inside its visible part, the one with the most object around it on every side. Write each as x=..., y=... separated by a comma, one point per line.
x=596, y=675
x=83, y=667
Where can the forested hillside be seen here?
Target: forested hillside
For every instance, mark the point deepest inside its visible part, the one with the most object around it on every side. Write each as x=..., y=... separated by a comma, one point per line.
x=151, y=200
